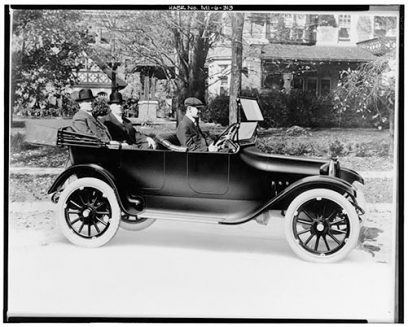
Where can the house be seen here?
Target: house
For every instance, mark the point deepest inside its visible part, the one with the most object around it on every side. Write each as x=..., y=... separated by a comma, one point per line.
x=299, y=51
x=96, y=75
x=140, y=79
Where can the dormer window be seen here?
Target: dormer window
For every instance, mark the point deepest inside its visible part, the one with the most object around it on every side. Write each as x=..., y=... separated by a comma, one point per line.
x=344, y=27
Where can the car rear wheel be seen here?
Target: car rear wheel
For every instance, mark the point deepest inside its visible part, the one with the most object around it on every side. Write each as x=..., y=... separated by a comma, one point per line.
x=88, y=212
x=134, y=223
x=321, y=226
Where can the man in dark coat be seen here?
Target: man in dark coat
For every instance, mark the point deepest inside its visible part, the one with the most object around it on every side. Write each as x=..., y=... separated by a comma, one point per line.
x=120, y=128
x=85, y=122
x=189, y=133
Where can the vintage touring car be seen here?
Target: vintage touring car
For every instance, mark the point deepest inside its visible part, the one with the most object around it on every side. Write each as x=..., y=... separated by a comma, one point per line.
x=109, y=185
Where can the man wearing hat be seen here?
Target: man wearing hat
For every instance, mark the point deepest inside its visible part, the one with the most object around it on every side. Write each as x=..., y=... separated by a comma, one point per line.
x=189, y=133
x=120, y=128
x=85, y=121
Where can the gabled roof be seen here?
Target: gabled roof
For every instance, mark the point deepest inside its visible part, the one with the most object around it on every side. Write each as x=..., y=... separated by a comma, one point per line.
x=314, y=53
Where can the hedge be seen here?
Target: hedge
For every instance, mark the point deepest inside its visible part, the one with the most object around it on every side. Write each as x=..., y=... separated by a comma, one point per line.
x=287, y=109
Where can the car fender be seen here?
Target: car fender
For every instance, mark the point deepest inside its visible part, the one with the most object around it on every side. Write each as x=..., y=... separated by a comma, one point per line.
x=283, y=199
x=350, y=176
x=91, y=170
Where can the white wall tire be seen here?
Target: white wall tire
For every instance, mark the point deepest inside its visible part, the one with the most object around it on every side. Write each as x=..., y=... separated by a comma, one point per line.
x=321, y=226
x=132, y=223
x=88, y=212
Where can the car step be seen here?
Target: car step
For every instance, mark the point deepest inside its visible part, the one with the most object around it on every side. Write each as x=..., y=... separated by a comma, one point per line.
x=179, y=215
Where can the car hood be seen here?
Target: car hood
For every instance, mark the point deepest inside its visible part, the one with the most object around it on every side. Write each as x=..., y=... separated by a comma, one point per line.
x=281, y=163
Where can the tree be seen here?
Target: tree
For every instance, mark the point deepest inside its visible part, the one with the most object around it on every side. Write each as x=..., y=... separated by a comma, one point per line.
x=45, y=45
x=237, y=23
x=370, y=91
x=175, y=41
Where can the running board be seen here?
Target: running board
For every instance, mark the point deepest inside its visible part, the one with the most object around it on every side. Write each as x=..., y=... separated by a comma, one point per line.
x=179, y=215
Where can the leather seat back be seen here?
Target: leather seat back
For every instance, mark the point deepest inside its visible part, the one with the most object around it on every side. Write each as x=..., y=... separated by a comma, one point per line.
x=170, y=141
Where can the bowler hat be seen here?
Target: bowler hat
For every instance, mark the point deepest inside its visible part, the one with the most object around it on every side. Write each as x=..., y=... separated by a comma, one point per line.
x=115, y=97
x=193, y=102
x=84, y=95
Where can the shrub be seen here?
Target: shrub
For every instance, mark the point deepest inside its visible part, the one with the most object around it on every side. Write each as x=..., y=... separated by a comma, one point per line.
x=18, y=143
x=298, y=107
x=131, y=108
x=69, y=106
x=336, y=148
x=295, y=108
x=100, y=107
x=362, y=150
x=271, y=147
x=217, y=111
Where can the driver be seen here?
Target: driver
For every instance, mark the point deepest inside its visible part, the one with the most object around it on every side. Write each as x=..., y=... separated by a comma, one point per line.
x=189, y=133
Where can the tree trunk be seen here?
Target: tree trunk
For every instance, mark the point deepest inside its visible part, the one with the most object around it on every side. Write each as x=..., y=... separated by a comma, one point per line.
x=181, y=95
x=236, y=65
x=391, y=118
x=196, y=75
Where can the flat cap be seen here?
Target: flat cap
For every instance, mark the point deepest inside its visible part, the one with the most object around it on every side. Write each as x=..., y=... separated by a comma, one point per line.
x=194, y=102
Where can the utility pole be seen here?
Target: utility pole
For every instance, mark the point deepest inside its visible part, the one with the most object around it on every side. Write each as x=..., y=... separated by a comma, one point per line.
x=237, y=22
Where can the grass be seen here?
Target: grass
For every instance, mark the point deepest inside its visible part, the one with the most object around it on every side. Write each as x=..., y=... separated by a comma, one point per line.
x=327, y=142
x=318, y=143
x=359, y=149
x=27, y=188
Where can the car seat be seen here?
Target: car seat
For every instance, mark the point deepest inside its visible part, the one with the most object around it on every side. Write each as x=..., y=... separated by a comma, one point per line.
x=170, y=141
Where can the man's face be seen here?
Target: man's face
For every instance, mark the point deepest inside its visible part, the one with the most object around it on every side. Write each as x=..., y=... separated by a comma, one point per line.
x=194, y=112
x=86, y=106
x=116, y=108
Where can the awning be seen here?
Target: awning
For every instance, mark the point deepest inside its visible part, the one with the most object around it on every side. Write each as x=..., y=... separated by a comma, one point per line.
x=314, y=53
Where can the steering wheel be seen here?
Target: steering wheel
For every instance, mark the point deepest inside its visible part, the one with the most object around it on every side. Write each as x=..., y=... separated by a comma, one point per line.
x=225, y=139
x=227, y=134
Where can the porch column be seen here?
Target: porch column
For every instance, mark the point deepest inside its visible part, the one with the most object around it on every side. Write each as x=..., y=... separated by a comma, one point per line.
x=287, y=81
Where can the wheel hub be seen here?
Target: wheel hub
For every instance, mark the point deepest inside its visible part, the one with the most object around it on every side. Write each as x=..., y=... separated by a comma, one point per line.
x=320, y=227
x=86, y=213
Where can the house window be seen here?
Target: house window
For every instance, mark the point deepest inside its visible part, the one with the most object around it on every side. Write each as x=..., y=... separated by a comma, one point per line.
x=288, y=19
x=274, y=82
x=384, y=25
x=324, y=86
x=300, y=19
x=344, y=27
x=224, y=87
x=297, y=83
x=311, y=85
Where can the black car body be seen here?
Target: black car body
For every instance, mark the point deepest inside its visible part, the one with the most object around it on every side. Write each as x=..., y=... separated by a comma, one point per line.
x=223, y=187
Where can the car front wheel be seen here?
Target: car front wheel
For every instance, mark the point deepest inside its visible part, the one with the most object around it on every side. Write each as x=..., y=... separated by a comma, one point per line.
x=88, y=212
x=321, y=226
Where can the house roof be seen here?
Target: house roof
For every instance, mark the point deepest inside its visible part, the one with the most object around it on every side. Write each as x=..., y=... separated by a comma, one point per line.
x=314, y=53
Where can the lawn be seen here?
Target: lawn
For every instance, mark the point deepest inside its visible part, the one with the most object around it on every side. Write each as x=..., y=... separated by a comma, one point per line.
x=359, y=149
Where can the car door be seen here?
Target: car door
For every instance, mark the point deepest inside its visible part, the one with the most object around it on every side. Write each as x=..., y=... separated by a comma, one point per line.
x=143, y=170
x=208, y=172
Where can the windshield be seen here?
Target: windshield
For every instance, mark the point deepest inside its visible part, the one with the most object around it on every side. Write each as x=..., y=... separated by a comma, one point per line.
x=246, y=130
x=251, y=109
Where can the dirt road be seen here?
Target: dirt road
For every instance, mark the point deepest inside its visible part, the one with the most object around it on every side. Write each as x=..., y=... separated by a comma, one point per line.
x=194, y=270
